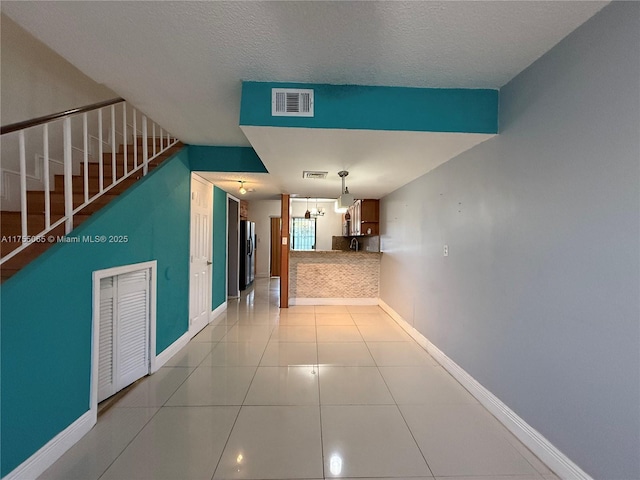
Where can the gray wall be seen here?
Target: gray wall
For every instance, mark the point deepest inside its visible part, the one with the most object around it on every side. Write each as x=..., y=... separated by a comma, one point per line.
x=539, y=298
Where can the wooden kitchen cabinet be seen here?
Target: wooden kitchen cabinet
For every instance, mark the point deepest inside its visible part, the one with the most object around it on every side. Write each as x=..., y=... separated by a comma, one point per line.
x=365, y=217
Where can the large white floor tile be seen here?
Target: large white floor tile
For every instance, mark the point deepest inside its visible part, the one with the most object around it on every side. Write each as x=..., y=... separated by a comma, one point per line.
x=338, y=334
x=298, y=309
x=396, y=354
x=374, y=318
x=383, y=333
x=297, y=319
x=91, y=456
x=178, y=443
x=213, y=333
x=463, y=440
x=191, y=355
x=155, y=390
x=364, y=309
x=214, y=386
x=424, y=385
x=248, y=333
x=331, y=309
x=284, y=386
x=273, y=443
x=494, y=477
x=334, y=319
x=346, y=354
x=235, y=354
x=294, y=333
x=369, y=441
x=281, y=354
x=353, y=386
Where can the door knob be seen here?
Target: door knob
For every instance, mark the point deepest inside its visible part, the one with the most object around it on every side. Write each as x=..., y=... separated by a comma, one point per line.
x=209, y=263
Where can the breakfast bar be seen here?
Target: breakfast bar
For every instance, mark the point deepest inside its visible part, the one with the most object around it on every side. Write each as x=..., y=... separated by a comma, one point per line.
x=334, y=277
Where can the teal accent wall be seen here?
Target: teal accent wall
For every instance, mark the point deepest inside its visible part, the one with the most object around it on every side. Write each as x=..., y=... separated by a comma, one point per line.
x=219, y=277
x=379, y=108
x=47, y=307
x=204, y=158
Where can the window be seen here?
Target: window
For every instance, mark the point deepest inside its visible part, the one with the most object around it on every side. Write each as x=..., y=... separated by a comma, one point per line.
x=303, y=235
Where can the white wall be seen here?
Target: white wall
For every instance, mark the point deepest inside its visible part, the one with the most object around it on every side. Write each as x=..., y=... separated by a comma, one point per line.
x=538, y=299
x=36, y=81
x=326, y=227
x=260, y=212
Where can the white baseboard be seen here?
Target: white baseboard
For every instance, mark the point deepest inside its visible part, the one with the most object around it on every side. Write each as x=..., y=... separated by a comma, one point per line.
x=169, y=352
x=333, y=301
x=37, y=463
x=539, y=445
x=215, y=313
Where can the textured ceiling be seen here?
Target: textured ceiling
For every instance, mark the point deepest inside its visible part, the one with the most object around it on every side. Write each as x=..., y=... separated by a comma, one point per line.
x=183, y=62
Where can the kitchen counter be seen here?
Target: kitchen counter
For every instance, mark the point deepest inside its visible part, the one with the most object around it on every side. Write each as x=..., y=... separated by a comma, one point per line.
x=334, y=276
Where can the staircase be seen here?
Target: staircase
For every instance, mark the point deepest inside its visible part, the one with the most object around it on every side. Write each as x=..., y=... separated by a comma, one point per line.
x=11, y=229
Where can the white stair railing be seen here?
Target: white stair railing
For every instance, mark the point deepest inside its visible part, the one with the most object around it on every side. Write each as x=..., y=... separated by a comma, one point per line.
x=60, y=135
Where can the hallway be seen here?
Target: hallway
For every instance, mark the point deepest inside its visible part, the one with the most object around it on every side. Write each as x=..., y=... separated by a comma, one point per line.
x=307, y=392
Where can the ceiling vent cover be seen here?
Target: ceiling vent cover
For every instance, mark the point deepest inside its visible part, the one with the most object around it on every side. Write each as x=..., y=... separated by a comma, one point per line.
x=314, y=175
x=291, y=102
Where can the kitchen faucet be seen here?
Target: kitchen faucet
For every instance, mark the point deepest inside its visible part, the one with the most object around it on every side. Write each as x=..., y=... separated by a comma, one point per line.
x=354, y=239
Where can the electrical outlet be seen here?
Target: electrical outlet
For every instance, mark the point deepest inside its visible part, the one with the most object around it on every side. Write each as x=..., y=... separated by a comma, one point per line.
x=445, y=251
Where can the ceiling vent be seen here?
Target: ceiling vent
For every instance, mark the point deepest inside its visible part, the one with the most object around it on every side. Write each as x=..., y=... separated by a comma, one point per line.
x=314, y=175
x=291, y=102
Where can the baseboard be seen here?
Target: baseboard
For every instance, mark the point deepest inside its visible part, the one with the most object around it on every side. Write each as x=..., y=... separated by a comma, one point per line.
x=37, y=463
x=532, y=439
x=333, y=301
x=216, y=312
x=170, y=351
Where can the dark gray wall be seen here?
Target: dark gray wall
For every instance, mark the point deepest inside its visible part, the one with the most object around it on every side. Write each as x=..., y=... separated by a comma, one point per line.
x=539, y=298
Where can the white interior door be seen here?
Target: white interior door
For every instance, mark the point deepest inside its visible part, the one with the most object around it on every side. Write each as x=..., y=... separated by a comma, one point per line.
x=200, y=266
x=123, y=352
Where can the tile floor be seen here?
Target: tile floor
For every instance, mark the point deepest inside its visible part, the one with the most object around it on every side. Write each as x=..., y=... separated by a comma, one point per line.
x=303, y=393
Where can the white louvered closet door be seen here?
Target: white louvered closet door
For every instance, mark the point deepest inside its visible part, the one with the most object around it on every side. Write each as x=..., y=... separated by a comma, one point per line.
x=106, y=384
x=124, y=331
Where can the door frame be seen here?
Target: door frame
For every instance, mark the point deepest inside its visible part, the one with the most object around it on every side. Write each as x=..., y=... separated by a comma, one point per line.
x=194, y=329
x=236, y=223
x=98, y=275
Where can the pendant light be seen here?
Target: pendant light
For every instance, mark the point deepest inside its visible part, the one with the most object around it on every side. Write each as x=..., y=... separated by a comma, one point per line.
x=307, y=214
x=242, y=190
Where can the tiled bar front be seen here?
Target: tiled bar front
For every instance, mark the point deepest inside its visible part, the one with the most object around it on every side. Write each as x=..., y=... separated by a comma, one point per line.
x=333, y=274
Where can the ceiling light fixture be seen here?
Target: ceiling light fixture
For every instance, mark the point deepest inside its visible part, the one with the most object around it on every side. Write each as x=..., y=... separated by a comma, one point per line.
x=307, y=214
x=345, y=199
x=317, y=212
x=242, y=190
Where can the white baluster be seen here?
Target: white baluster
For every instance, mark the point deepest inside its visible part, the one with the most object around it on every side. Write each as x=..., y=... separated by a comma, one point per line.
x=113, y=144
x=154, y=138
x=135, y=140
x=145, y=146
x=100, y=152
x=124, y=137
x=45, y=174
x=23, y=185
x=68, y=181
x=85, y=144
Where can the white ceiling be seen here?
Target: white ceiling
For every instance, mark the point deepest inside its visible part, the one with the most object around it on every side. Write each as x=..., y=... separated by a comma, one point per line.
x=183, y=62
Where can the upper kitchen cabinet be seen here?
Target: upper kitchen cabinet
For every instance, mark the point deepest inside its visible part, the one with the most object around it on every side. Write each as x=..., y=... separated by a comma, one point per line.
x=365, y=217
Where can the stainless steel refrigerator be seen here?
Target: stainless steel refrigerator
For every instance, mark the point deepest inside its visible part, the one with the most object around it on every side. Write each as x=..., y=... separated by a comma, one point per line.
x=247, y=253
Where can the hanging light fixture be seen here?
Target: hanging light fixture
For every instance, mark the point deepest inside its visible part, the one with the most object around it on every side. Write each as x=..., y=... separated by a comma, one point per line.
x=242, y=190
x=317, y=212
x=307, y=214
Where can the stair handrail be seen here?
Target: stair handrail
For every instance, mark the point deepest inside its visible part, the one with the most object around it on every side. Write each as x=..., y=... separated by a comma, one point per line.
x=14, y=127
x=161, y=142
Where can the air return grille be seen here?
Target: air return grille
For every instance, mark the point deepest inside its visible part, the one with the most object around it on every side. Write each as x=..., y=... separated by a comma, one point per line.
x=291, y=102
x=315, y=175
